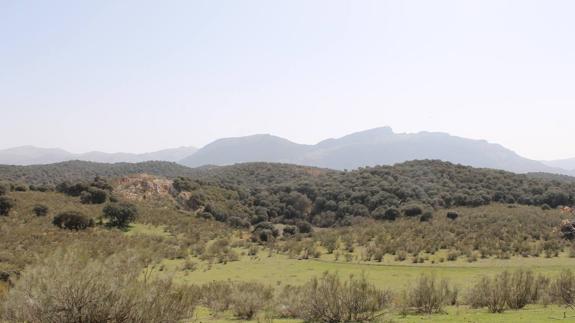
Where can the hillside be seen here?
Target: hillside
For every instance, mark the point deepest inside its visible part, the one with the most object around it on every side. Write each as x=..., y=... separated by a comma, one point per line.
x=380, y=146
x=82, y=170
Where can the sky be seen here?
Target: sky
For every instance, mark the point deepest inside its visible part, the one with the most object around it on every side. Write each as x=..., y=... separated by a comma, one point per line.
x=138, y=75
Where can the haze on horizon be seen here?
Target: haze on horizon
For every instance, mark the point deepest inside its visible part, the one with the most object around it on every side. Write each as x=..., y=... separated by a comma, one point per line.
x=133, y=76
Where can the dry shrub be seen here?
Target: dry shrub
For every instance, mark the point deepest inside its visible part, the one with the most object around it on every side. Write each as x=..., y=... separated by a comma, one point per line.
x=70, y=286
x=249, y=298
x=562, y=289
x=329, y=299
x=507, y=290
x=429, y=295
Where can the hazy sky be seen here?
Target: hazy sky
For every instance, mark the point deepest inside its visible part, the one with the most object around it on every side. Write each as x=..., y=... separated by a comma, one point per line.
x=144, y=75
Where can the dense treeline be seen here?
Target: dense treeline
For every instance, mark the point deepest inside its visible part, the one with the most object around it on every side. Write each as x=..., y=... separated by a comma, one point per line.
x=279, y=193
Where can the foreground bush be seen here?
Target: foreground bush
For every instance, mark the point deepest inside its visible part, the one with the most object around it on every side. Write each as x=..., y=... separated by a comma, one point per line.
x=247, y=299
x=507, y=290
x=429, y=295
x=71, y=287
x=330, y=299
x=244, y=299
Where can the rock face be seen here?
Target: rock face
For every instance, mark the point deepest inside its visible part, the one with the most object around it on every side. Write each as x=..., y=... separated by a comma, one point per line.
x=144, y=187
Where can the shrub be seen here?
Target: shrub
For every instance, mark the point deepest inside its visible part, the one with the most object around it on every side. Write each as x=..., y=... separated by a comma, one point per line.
x=72, y=220
x=94, y=196
x=452, y=215
x=412, y=211
x=304, y=227
x=4, y=188
x=289, y=230
x=6, y=204
x=238, y=222
x=425, y=217
x=429, y=295
x=40, y=210
x=562, y=289
x=290, y=302
x=216, y=295
x=248, y=298
x=120, y=215
x=70, y=287
x=329, y=299
x=382, y=213
x=265, y=231
x=522, y=289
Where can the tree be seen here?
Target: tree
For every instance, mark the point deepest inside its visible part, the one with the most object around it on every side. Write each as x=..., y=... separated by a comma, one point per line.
x=72, y=220
x=6, y=204
x=120, y=215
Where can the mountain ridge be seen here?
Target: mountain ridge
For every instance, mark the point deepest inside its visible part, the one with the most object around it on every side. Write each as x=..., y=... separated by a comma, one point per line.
x=378, y=146
x=32, y=155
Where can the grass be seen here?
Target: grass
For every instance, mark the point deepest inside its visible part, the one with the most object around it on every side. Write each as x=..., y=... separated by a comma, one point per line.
x=280, y=270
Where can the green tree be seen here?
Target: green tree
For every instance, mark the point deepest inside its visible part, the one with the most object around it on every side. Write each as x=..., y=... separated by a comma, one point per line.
x=120, y=215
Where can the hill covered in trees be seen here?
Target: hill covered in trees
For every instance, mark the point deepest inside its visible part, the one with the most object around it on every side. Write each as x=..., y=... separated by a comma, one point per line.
x=53, y=174
x=290, y=194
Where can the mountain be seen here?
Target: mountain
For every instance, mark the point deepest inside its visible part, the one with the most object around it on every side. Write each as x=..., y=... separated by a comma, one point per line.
x=257, y=148
x=568, y=164
x=30, y=155
x=380, y=146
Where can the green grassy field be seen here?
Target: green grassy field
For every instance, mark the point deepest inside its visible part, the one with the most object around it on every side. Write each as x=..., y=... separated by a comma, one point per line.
x=280, y=270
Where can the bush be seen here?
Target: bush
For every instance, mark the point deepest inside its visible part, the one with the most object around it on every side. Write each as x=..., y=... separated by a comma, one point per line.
x=425, y=217
x=506, y=290
x=120, y=215
x=382, y=213
x=429, y=295
x=72, y=220
x=4, y=189
x=329, y=299
x=452, y=215
x=265, y=231
x=6, y=204
x=562, y=289
x=289, y=230
x=247, y=299
x=216, y=296
x=71, y=287
x=412, y=211
x=94, y=196
x=40, y=210
x=304, y=227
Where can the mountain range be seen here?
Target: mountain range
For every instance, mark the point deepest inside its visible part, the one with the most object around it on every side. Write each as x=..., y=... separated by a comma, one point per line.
x=30, y=155
x=379, y=146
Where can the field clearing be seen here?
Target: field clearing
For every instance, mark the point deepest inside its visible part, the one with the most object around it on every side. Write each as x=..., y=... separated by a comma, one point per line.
x=280, y=270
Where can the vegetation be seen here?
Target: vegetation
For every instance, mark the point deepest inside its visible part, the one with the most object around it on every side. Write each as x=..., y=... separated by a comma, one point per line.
x=251, y=244
x=120, y=215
